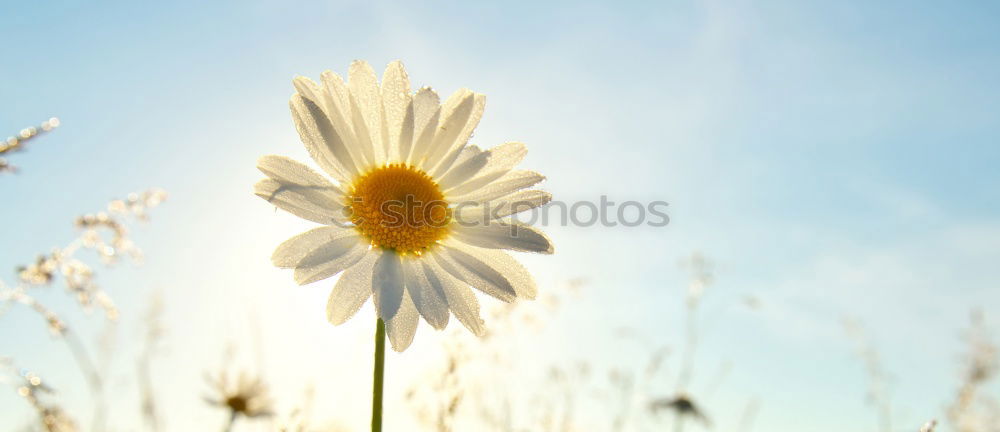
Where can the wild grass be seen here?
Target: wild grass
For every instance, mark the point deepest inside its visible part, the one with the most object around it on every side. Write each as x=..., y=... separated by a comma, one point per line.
x=454, y=394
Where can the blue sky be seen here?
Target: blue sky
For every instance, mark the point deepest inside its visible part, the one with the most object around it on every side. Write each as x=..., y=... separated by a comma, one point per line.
x=835, y=159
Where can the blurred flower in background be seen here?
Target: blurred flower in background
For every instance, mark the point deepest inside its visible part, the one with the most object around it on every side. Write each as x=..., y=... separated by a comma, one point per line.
x=246, y=396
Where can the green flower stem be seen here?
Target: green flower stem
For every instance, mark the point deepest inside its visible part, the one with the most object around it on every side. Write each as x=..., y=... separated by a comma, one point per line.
x=232, y=421
x=379, y=376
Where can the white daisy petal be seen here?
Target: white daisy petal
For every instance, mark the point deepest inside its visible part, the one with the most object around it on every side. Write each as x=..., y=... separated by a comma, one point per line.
x=426, y=103
x=423, y=142
x=504, y=235
x=506, y=156
x=297, y=189
x=325, y=144
x=395, y=103
x=403, y=326
x=351, y=291
x=519, y=278
x=454, y=115
x=514, y=203
x=475, y=272
x=292, y=251
x=503, y=158
x=330, y=259
x=461, y=300
x=387, y=284
x=335, y=87
x=467, y=153
x=459, y=142
x=426, y=112
x=505, y=185
x=465, y=169
x=367, y=100
x=363, y=139
x=289, y=171
x=293, y=202
x=428, y=297
x=338, y=102
x=405, y=139
x=308, y=89
x=476, y=183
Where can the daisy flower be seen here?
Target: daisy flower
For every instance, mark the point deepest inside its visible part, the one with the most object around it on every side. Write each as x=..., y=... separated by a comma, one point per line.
x=682, y=405
x=412, y=214
x=247, y=396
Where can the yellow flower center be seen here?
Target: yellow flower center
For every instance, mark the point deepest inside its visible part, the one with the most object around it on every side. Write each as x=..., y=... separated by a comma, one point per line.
x=237, y=404
x=399, y=207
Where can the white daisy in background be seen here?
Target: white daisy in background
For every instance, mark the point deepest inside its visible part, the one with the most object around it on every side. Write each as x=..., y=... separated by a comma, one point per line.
x=247, y=396
x=397, y=216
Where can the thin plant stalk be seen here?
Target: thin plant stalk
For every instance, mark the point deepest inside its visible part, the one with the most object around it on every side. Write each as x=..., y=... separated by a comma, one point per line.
x=231, y=422
x=378, y=376
x=92, y=375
